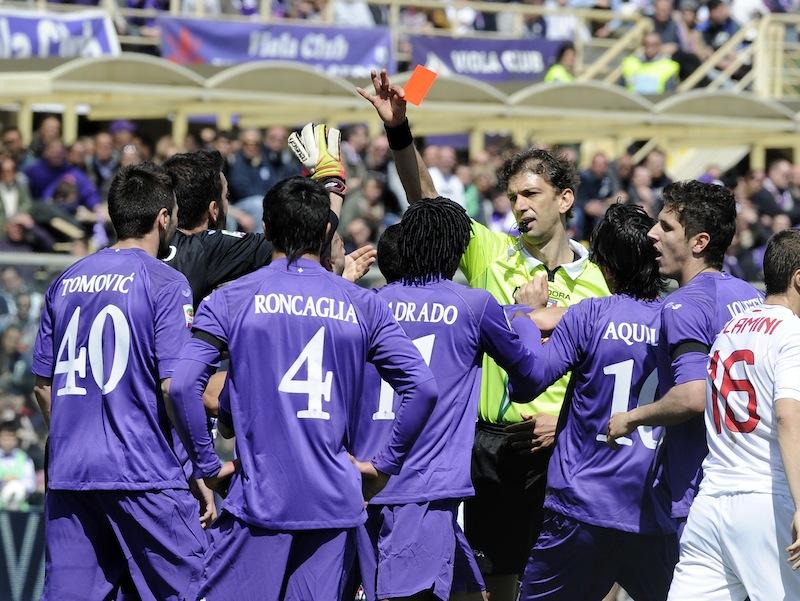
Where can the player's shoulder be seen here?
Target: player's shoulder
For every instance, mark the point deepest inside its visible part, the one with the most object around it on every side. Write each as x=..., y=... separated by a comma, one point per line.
x=162, y=274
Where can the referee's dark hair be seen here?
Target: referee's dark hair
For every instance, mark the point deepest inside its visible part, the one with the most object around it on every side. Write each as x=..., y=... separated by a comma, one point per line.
x=137, y=195
x=622, y=250
x=555, y=169
x=436, y=232
x=781, y=261
x=389, y=253
x=296, y=215
x=197, y=184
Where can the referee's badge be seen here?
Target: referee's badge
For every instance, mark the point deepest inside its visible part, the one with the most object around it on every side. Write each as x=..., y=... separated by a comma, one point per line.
x=188, y=314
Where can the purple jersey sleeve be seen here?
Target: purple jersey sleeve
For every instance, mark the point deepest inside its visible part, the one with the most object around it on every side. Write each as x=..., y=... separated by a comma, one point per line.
x=400, y=364
x=43, y=347
x=684, y=325
x=555, y=357
x=172, y=314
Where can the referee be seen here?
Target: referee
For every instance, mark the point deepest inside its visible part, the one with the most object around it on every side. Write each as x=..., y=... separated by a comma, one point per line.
x=504, y=518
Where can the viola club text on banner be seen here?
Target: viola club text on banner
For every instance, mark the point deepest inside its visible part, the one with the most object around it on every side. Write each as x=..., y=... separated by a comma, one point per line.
x=36, y=34
x=336, y=50
x=492, y=61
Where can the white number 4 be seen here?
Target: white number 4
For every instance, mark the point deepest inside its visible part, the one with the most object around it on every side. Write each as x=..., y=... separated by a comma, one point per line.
x=315, y=386
x=424, y=345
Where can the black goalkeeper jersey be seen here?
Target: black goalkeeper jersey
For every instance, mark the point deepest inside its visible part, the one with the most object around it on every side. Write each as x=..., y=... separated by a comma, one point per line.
x=214, y=257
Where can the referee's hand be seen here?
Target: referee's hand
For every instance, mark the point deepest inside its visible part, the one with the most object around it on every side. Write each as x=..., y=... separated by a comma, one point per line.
x=533, y=434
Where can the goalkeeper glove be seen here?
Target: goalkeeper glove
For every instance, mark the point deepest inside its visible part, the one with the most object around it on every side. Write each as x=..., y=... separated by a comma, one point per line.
x=317, y=148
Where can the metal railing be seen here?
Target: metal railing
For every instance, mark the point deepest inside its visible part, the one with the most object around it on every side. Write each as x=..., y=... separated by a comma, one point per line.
x=510, y=16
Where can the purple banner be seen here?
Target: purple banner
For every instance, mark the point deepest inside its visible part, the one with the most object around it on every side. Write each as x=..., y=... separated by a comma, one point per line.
x=491, y=61
x=34, y=34
x=347, y=52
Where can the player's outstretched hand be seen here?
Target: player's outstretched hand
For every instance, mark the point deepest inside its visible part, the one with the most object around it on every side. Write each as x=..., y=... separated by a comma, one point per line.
x=372, y=480
x=388, y=100
x=205, y=496
x=794, y=549
x=221, y=480
x=535, y=293
x=533, y=434
x=317, y=148
x=619, y=425
x=358, y=262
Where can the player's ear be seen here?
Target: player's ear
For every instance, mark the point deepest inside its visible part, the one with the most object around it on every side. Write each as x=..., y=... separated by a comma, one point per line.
x=700, y=242
x=213, y=210
x=796, y=280
x=162, y=220
x=565, y=200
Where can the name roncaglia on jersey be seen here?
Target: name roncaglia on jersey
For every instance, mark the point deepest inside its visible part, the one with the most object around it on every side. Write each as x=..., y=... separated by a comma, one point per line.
x=104, y=282
x=631, y=333
x=305, y=306
x=426, y=312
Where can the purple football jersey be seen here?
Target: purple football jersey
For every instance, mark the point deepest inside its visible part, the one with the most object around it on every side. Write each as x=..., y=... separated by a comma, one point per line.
x=452, y=326
x=610, y=345
x=694, y=314
x=299, y=338
x=112, y=327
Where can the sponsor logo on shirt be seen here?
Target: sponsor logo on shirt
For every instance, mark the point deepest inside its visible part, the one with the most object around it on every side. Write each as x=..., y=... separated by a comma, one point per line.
x=234, y=234
x=188, y=315
x=104, y=282
x=673, y=306
x=631, y=333
x=426, y=312
x=304, y=306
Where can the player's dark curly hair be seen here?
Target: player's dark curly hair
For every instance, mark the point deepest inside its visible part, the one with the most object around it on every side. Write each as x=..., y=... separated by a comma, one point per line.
x=705, y=208
x=137, y=195
x=296, y=215
x=781, y=261
x=197, y=184
x=435, y=234
x=554, y=169
x=621, y=248
x=389, y=253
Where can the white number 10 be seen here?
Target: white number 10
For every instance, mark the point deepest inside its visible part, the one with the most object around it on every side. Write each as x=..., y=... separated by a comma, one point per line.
x=623, y=376
x=424, y=345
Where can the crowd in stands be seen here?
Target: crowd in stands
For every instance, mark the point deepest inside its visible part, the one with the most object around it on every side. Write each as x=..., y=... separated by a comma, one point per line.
x=53, y=200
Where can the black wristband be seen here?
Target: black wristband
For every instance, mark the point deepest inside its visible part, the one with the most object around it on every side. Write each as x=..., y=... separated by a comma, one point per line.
x=400, y=136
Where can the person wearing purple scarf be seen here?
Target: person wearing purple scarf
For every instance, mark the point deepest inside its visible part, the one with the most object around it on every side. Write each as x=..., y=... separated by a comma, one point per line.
x=47, y=175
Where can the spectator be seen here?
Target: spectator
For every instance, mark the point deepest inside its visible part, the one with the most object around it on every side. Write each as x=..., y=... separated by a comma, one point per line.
x=16, y=222
x=563, y=70
x=49, y=131
x=774, y=198
x=667, y=26
x=622, y=169
x=795, y=187
x=145, y=26
x=13, y=146
x=122, y=132
x=357, y=234
x=77, y=155
x=131, y=155
x=649, y=72
x=641, y=192
x=104, y=164
x=353, y=13
x=656, y=162
x=17, y=473
x=562, y=25
x=49, y=172
x=355, y=139
x=534, y=26
x=720, y=26
x=499, y=216
x=366, y=204
x=25, y=320
x=597, y=190
x=15, y=363
x=444, y=177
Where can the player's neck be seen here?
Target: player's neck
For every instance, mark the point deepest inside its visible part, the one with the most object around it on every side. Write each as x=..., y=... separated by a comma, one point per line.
x=552, y=252
x=276, y=255
x=789, y=300
x=148, y=244
x=694, y=268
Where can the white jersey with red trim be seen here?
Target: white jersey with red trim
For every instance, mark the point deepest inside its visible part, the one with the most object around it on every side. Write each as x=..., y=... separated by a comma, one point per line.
x=755, y=361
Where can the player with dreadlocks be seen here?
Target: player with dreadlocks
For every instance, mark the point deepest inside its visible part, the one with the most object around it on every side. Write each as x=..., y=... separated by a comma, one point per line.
x=408, y=545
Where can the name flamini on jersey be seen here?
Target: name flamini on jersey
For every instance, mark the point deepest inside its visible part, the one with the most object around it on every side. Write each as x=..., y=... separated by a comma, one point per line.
x=426, y=312
x=305, y=306
x=765, y=325
x=631, y=333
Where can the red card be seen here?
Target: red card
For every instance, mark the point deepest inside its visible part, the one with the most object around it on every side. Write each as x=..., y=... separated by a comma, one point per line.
x=418, y=86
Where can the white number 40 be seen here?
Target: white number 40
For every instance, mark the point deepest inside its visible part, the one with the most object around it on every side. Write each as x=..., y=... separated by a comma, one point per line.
x=75, y=361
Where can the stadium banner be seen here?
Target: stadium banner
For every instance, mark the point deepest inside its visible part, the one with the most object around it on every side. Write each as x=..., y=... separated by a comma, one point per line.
x=493, y=61
x=22, y=553
x=348, y=52
x=37, y=34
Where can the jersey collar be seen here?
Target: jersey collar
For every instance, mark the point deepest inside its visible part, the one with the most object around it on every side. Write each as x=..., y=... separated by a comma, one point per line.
x=573, y=269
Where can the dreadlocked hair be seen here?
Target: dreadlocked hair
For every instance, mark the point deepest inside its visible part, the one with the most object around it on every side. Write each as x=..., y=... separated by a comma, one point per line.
x=436, y=232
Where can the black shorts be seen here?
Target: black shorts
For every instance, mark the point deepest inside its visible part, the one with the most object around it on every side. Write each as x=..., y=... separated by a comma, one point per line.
x=504, y=517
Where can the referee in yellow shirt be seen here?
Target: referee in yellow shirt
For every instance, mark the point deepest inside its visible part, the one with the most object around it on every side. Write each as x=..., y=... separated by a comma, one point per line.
x=503, y=519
